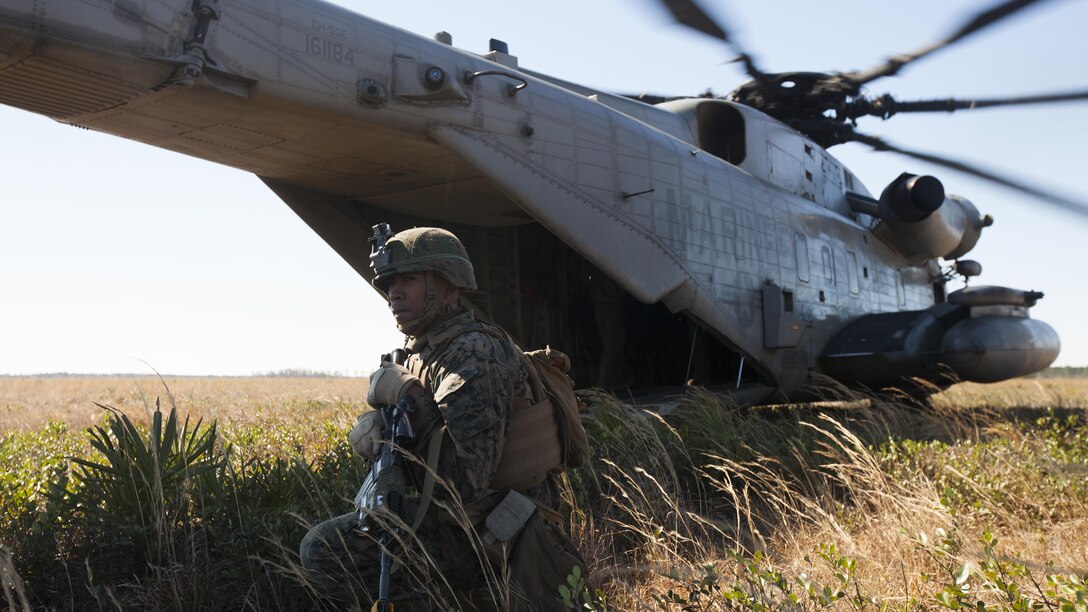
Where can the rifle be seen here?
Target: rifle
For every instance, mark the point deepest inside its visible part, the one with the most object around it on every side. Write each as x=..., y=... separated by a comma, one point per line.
x=383, y=490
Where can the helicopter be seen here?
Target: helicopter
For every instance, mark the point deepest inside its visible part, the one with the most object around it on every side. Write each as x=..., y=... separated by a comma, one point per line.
x=600, y=224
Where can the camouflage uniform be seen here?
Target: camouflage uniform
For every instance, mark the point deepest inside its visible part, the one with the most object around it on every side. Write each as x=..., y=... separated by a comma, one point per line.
x=473, y=379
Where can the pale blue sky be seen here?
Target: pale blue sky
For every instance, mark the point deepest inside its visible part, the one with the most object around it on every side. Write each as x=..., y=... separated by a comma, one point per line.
x=113, y=252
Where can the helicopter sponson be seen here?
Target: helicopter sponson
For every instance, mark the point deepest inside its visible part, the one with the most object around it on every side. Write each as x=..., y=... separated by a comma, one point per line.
x=976, y=334
x=981, y=334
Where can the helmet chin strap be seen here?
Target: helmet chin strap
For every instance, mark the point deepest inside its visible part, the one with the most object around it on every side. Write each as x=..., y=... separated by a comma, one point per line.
x=433, y=310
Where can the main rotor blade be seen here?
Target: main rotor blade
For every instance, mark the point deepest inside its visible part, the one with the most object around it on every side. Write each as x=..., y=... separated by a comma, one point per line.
x=979, y=22
x=951, y=104
x=687, y=13
x=881, y=145
x=886, y=106
x=690, y=14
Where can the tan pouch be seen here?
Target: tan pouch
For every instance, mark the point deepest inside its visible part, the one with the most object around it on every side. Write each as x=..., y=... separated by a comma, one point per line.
x=531, y=449
x=507, y=519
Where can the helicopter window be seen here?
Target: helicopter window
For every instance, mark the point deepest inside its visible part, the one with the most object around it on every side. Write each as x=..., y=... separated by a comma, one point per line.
x=721, y=131
x=829, y=265
x=800, y=252
x=852, y=271
x=787, y=301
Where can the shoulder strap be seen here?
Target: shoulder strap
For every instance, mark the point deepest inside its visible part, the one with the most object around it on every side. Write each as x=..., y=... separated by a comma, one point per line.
x=536, y=386
x=428, y=479
x=438, y=342
x=435, y=348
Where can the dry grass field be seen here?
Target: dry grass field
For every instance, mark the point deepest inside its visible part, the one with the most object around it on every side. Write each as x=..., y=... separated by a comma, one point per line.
x=27, y=402
x=1071, y=392
x=979, y=500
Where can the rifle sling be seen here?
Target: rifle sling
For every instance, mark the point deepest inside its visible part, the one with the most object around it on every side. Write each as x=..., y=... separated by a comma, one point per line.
x=433, y=447
x=428, y=479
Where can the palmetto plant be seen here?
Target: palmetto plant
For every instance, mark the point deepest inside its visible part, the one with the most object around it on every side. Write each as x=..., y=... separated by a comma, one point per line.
x=143, y=485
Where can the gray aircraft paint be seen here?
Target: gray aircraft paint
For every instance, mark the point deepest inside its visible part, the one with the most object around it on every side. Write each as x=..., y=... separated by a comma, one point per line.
x=312, y=96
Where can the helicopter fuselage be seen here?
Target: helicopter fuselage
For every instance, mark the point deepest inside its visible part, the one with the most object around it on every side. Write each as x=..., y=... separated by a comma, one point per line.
x=722, y=214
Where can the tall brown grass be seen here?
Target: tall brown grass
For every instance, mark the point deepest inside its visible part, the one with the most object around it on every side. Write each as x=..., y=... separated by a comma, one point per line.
x=882, y=502
x=783, y=488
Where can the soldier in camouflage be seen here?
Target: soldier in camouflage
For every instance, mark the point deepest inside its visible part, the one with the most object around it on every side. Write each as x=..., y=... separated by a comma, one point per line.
x=465, y=377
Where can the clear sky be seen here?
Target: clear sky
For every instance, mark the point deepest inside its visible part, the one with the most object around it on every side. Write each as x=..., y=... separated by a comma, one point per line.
x=114, y=253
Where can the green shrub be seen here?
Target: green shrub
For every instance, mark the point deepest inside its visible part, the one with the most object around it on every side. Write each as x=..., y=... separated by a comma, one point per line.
x=997, y=582
x=168, y=516
x=33, y=488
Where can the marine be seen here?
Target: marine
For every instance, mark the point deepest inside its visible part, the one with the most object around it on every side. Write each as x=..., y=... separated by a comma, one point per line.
x=486, y=536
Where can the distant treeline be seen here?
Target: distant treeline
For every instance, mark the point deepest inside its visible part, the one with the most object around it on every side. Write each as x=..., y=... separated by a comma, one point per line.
x=1064, y=372
x=1058, y=372
x=301, y=373
x=285, y=373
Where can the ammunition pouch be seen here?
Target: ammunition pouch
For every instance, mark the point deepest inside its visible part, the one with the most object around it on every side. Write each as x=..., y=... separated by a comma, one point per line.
x=532, y=447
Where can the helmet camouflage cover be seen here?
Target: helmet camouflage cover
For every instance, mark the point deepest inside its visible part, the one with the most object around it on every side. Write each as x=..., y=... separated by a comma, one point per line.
x=423, y=249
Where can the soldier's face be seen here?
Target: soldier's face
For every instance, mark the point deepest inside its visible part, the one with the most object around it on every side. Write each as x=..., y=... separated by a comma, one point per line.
x=407, y=296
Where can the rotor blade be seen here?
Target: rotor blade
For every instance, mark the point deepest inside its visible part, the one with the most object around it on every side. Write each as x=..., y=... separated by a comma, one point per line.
x=952, y=104
x=885, y=106
x=690, y=14
x=687, y=13
x=979, y=22
x=1050, y=198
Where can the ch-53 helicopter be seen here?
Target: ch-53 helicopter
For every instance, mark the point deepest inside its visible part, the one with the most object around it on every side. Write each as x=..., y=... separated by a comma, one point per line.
x=659, y=240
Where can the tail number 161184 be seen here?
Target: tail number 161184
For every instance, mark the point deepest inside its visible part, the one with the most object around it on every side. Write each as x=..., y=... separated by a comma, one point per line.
x=329, y=50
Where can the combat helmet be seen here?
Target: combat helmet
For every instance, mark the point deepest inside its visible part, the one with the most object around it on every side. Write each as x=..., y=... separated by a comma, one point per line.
x=430, y=250
x=421, y=249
